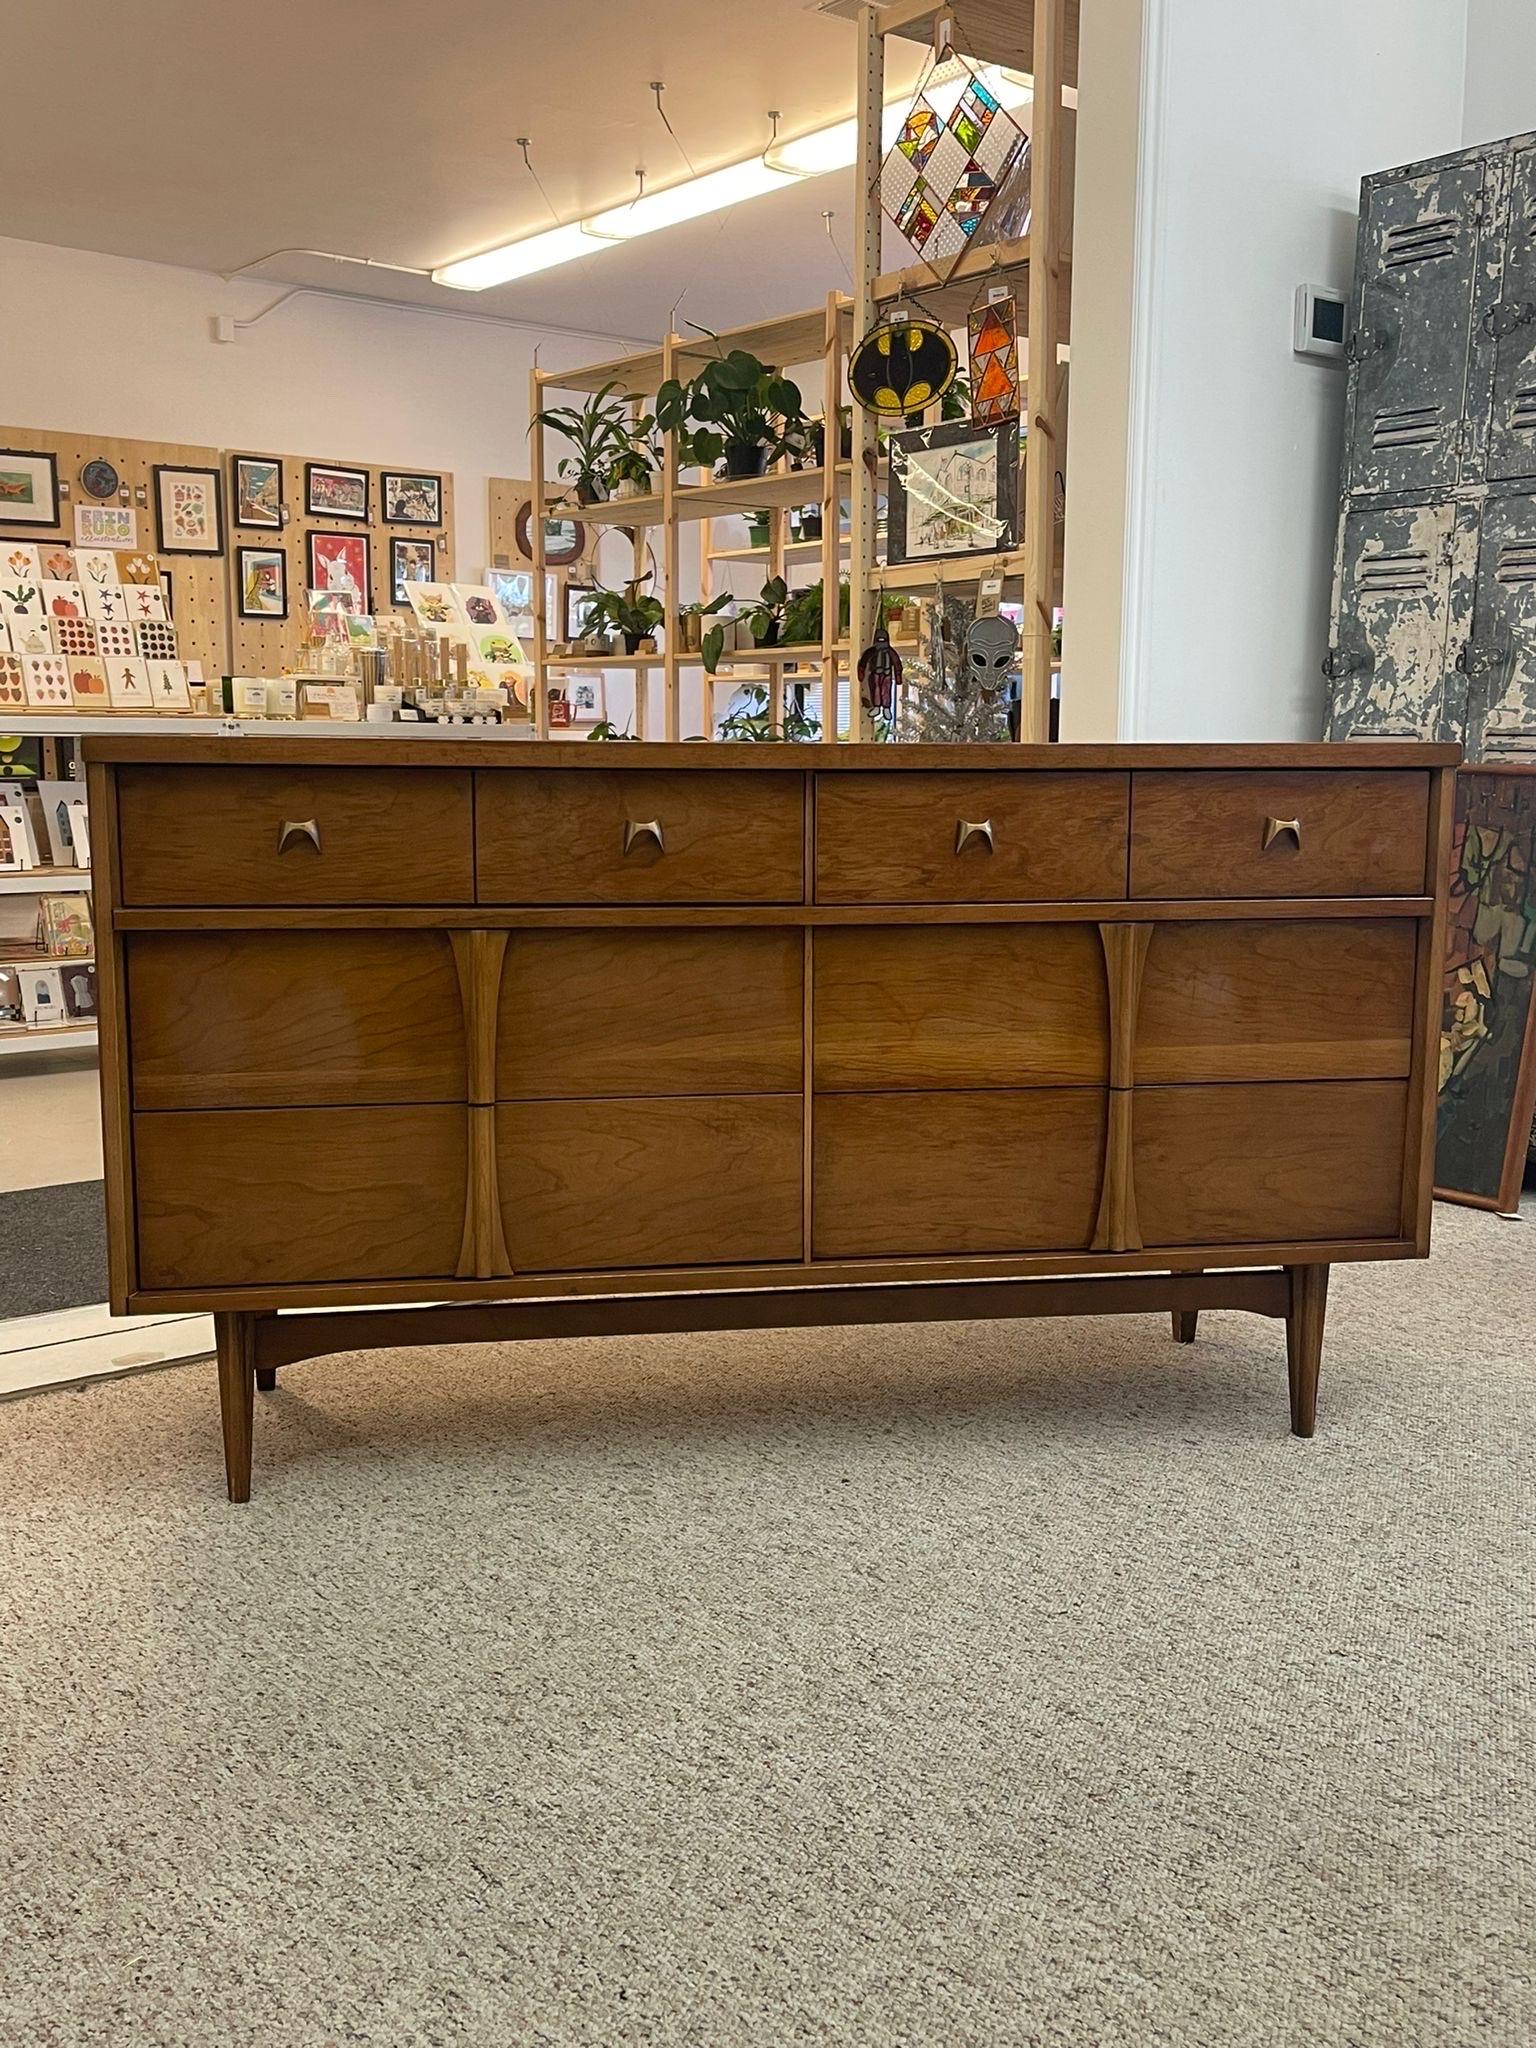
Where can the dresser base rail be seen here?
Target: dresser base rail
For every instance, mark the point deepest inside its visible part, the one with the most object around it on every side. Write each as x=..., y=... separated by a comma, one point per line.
x=252, y=1345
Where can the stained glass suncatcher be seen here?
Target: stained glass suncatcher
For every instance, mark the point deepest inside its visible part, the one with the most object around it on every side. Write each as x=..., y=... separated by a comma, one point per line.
x=994, y=361
x=943, y=171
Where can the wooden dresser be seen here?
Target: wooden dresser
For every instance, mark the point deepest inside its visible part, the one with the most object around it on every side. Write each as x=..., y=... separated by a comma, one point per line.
x=582, y=1038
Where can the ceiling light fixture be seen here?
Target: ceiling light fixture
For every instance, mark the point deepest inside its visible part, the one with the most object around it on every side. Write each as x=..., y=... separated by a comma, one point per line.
x=833, y=148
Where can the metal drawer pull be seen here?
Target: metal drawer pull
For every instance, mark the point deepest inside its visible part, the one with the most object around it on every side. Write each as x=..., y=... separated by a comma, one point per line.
x=1273, y=827
x=298, y=828
x=643, y=828
x=967, y=830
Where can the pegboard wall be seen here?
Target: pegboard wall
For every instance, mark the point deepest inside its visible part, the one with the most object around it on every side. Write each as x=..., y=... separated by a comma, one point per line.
x=265, y=647
x=199, y=597
x=507, y=497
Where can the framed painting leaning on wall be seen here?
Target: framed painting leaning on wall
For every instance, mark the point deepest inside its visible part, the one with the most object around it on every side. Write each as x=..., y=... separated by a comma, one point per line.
x=1488, y=1021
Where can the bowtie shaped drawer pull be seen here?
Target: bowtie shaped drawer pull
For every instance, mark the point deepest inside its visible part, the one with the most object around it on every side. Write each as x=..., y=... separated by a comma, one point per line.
x=293, y=830
x=973, y=832
x=1274, y=827
x=638, y=829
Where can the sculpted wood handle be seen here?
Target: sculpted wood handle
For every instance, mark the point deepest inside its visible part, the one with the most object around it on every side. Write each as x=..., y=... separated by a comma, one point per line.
x=298, y=828
x=1273, y=827
x=643, y=828
x=968, y=830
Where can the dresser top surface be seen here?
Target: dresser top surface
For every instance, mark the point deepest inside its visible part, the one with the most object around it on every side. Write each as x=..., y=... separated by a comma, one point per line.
x=305, y=749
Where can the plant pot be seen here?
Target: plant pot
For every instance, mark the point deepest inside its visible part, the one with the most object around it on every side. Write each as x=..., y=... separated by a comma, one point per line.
x=769, y=636
x=810, y=523
x=597, y=643
x=746, y=458
x=817, y=432
x=648, y=644
x=630, y=487
x=591, y=494
x=690, y=631
x=757, y=530
x=845, y=441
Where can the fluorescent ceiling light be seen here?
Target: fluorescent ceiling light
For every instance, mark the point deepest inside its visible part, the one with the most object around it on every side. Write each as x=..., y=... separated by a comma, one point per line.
x=834, y=148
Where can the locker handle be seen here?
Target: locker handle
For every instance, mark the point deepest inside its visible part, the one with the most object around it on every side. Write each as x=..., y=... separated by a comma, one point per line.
x=1337, y=664
x=1476, y=661
x=1364, y=342
x=1506, y=318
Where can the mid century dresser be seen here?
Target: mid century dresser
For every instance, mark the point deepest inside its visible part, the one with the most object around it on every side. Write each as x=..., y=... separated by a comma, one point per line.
x=577, y=1039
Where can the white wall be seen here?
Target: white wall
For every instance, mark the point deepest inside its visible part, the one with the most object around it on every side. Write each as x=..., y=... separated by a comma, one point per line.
x=1256, y=127
x=1500, y=95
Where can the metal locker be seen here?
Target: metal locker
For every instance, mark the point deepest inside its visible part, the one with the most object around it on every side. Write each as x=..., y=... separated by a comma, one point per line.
x=1403, y=587
x=1508, y=327
x=1416, y=274
x=1499, y=657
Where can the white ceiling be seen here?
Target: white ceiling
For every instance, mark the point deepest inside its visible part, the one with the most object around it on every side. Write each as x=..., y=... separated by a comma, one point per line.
x=209, y=136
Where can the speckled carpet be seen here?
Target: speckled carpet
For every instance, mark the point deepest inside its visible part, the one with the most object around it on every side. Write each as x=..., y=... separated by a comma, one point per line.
x=976, y=1686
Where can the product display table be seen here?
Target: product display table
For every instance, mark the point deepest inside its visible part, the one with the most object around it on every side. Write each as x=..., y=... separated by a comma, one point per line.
x=579, y=1039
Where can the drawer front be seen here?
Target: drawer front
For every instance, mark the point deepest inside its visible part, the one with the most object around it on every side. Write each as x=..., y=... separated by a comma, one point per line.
x=283, y=1197
x=1271, y=1163
x=253, y=1020
x=1323, y=999
x=575, y=836
x=236, y=835
x=969, y=1006
x=694, y=1181
x=896, y=838
x=1286, y=832
x=957, y=1172
x=651, y=1013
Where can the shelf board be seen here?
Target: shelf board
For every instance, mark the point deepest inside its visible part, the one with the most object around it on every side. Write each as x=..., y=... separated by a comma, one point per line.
x=81, y=725
x=947, y=292
x=34, y=959
x=707, y=501
x=802, y=548
x=956, y=569
x=43, y=881
x=19, y=1038
x=790, y=340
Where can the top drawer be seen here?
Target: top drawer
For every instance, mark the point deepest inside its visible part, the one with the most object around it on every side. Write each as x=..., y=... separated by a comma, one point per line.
x=569, y=835
x=959, y=837
x=1282, y=832
x=295, y=835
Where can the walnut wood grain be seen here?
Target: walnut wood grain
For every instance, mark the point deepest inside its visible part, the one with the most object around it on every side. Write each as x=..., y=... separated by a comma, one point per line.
x=1266, y=1162
x=1304, y=1342
x=977, y=1007
x=957, y=1171
x=590, y=1013
x=209, y=835
x=549, y=837
x=1117, y=1227
x=477, y=957
x=483, y=1248
x=299, y=1196
x=891, y=838
x=1424, y=1076
x=234, y=1343
x=1362, y=832
x=650, y=1182
x=1125, y=953
x=112, y=1044
x=249, y=1020
x=1313, y=1000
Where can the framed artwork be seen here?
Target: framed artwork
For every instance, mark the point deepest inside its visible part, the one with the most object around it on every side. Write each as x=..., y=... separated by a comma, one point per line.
x=263, y=582
x=167, y=584
x=339, y=561
x=578, y=603
x=410, y=561
x=588, y=699
x=29, y=487
x=565, y=540
x=514, y=590
x=259, y=492
x=100, y=478
x=1488, y=1008
x=435, y=605
x=106, y=526
x=332, y=493
x=953, y=492
x=411, y=499
x=189, y=517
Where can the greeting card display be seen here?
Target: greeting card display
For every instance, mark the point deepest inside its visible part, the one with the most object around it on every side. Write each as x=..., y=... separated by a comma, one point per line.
x=106, y=601
x=168, y=686
x=435, y=606
x=128, y=686
x=55, y=560
x=96, y=565
x=88, y=684
x=18, y=562
x=46, y=680
x=74, y=636
x=156, y=640
x=13, y=693
x=114, y=640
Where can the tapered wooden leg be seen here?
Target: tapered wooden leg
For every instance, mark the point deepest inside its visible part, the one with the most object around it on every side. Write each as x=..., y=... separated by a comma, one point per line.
x=266, y=1379
x=1184, y=1321
x=233, y=1333
x=1304, y=1342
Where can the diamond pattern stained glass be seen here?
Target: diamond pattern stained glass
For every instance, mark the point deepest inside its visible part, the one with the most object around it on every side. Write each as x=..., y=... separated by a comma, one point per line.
x=944, y=170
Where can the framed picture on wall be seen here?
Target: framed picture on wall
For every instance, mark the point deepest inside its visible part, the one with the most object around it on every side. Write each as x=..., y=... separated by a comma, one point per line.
x=410, y=561
x=263, y=584
x=578, y=604
x=167, y=584
x=954, y=489
x=565, y=540
x=339, y=562
x=411, y=499
x=189, y=516
x=333, y=493
x=29, y=487
x=259, y=492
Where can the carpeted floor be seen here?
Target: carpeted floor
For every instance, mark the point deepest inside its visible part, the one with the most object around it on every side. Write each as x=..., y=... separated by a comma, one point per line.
x=976, y=1686
x=53, y=1248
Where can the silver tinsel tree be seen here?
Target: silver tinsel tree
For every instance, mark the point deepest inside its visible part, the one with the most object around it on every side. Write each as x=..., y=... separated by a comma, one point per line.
x=938, y=699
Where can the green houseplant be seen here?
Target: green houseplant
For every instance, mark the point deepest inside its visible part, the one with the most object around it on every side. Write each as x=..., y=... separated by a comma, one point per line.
x=736, y=407
x=630, y=612
x=690, y=621
x=753, y=720
x=599, y=432
x=766, y=618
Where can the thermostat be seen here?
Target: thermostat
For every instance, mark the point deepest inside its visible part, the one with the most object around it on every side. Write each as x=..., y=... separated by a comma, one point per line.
x=1318, y=323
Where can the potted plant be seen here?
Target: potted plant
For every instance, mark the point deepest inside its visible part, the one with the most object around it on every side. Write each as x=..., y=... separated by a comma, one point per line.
x=690, y=621
x=599, y=431
x=632, y=472
x=631, y=613
x=766, y=617
x=752, y=719
x=758, y=529
x=736, y=407
x=810, y=522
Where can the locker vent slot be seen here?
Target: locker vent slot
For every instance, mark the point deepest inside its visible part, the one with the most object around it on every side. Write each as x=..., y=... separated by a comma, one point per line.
x=1385, y=731
x=1522, y=417
x=1509, y=745
x=1517, y=562
x=1393, y=575
x=1409, y=426
x=1421, y=241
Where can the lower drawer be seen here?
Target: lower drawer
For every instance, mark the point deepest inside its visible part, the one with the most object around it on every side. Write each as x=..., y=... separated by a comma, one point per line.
x=252, y=1197
x=1269, y=1163
x=665, y=1181
x=957, y=1171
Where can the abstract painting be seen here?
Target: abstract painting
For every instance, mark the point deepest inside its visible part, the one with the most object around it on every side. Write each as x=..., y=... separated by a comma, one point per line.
x=1488, y=1019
